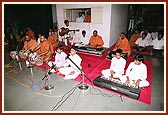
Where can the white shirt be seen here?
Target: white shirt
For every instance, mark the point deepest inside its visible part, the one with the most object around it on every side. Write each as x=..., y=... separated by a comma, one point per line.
x=158, y=44
x=149, y=38
x=84, y=40
x=135, y=72
x=141, y=42
x=118, y=65
x=60, y=59
x=76, y=59
x=79, y=19
x=154, y=35
x=38, y=40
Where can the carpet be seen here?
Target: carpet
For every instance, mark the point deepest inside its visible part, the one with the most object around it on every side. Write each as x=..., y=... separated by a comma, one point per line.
x=97, y=64
x=92, y=65
x=135, y=51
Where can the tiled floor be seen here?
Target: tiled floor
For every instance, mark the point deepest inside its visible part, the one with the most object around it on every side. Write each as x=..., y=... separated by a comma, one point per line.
x=22, y=93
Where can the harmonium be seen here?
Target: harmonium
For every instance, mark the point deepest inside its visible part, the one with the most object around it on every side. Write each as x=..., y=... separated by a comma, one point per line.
x=115, y=85
x=91, y=50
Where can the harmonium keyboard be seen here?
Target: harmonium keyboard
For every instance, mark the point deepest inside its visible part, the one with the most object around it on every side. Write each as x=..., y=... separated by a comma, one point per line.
x=115, y=85
x=91, y=50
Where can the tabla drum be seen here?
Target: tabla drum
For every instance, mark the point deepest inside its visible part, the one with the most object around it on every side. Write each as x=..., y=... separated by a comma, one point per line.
x=38, y=61
x=32, y=58
x=23, y=54
x=13, y=54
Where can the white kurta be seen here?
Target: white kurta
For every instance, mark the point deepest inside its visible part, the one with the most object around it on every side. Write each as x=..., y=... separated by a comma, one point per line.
x=85, y=40
x=117, y=65
x=59, y=60
x=148, y=38
x=135, y=72
x=158, y=44
x=79, y=19
x=154, y=35
x=67, y=69
x=142, y=42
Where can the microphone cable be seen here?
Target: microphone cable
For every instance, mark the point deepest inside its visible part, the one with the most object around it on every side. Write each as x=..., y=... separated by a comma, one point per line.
x=62, y=101
x=103, y=94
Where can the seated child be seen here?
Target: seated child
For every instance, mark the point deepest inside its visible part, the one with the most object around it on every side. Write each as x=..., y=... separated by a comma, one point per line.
x=72, y=65
x=117, y=66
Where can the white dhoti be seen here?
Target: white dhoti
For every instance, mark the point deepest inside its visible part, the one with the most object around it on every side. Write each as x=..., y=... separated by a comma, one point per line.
x=66, y=71
x=107, y=73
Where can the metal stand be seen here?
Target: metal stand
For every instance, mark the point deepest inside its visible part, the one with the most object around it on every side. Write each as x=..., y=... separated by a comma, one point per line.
x=83, y=86
x=31, y=70
x=30, y=67
x=20, y=66
x=18, y=61
x=48, y=86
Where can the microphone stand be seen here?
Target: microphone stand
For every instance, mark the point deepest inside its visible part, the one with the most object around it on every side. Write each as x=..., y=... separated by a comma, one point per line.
x=18, y=60
x=47, y=75
x=83, y=86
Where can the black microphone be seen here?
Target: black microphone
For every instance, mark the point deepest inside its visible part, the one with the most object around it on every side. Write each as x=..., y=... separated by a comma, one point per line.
x=67, y=56
x=53, y=66
x=49, y=72
x=131, y=69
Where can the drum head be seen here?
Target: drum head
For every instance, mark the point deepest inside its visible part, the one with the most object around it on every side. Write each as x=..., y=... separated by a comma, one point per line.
x=38, y=61
x=23, y=54
x=32, y=58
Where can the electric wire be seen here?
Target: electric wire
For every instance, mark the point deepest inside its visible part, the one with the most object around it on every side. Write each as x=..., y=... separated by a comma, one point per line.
x=103, y=94
x=76, y=100
x=22, y=84
x=62, y=101
x=58, y=104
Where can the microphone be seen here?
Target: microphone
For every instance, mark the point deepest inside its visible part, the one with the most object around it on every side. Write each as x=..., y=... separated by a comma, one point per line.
x=67, y=56
x=49, y=72
x=131, y=69
x=53, y=66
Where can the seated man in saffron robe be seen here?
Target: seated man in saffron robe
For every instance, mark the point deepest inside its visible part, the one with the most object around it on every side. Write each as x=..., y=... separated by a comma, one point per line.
x=53, y=41
x=30, y=33
x=133, y=38
x=29, y=44
x=44, y=50
x=96, y=41
x=123, y=44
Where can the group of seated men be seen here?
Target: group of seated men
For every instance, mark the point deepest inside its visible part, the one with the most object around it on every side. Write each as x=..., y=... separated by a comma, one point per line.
x=45, y=49
x=142, y=42
x=153, y=42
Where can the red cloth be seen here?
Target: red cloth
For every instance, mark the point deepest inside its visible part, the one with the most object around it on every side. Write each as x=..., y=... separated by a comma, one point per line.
x=97, y=64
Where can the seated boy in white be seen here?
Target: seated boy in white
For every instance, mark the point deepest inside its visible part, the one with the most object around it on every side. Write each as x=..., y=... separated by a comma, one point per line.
x=117, y=66
x=59, y=62
x=136, y=73
x=72, y=67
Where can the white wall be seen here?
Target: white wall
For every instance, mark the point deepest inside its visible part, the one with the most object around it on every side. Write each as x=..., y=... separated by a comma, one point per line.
x=54, y=13
x=114, y=20
x=119, y=15
x=102, y=28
